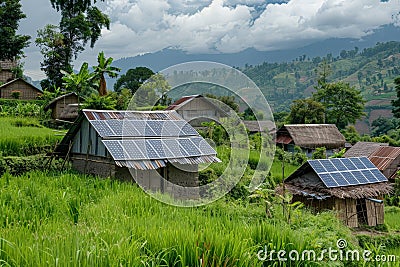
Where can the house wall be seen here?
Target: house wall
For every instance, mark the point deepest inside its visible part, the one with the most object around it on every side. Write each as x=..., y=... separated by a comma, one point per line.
x=347, y=211
x=103, y=167
x=198, y=107
x=28, y=92
x=87, y=141
x=375, y=213
x=62, y=104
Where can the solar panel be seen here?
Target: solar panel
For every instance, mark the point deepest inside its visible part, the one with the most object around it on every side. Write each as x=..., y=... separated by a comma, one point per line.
x=102, y=128
x=129, y=130
x=116, y=126
x=115, y=149
x=328, y=180
x=158, y=146
x=347, y=171
x=189, y=147
x=203, y=146
x=317, y=166
x=133, y=151
x=173, y=150
x=187, y=129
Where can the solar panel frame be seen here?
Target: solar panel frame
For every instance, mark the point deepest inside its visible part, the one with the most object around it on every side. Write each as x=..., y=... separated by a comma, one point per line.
x=102, y=128
x=339, y=179
x=328, y=180
x=379, y=176
x=317, y=166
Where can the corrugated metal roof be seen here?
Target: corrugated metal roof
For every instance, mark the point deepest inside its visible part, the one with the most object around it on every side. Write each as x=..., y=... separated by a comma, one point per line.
x=363, y=149
x=383, y=157
x=180, y=102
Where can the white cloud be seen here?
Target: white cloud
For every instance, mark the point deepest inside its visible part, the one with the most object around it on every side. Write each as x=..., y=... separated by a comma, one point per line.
x=209, y=26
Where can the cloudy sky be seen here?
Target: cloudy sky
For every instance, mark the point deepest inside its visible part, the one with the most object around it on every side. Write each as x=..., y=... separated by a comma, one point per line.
x=215, y=26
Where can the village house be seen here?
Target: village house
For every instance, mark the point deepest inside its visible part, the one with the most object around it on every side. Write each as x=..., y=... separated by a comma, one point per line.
x=64, y=107
x=107, y=143
x=309, y=137
x=353, y=187
x=6, y=70
x=260, y=126
x=19, y=89
x=196, y=109
x=363, y=149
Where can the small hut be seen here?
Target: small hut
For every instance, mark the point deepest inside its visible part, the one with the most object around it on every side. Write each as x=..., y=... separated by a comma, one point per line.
x=196, y=109
x=260, y=126
x=107, y=143
x=20, y=89
x=387, y=160
x=363, y=149
x=60, y=109
x=309, y=137
x=353, y=187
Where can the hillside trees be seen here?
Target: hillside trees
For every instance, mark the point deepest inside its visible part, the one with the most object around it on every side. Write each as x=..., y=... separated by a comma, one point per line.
x=11, y=43
x=133, y=79
x=306, y=111
x=81, y=23
x=396, y=102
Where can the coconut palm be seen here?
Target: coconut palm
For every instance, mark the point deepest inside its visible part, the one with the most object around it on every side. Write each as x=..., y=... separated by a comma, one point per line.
x=104, y=67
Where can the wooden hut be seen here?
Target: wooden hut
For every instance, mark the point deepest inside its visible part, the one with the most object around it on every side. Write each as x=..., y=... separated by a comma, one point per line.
x=107, y=143
x=387, y=160
x=62, y=109
x=6, y=70
x=196, y=109
x=309, y=137
x=260, y=126
x=363, y=149
x=24, y=90
x=353, y=187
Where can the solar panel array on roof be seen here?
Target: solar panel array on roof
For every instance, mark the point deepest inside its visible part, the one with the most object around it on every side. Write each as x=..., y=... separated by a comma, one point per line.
x=150, y=149
x=347, y=171
x=143, y=128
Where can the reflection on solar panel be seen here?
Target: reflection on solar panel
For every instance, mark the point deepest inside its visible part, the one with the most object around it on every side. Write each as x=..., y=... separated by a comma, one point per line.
x=346, y=171
x=141, y=149
x=102, y=128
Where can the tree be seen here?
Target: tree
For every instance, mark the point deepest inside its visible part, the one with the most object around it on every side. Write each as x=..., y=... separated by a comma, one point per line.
x=133, y=79
x=54, y=51
x=153, y=91
x=104, y=67
x=81, y=82
x=11, y=44
x=396, y=102
x=80, y=23
x=306, y=111
x=343, y=104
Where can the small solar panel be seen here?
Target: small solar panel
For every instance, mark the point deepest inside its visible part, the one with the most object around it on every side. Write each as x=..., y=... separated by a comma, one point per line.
x=115, y=149
x=349, y=165
x=187, y=129
x=328, y=180
x=173, y=150
x=128, y=130
x=189, y=147
x=378, y=175
x=102, y=128
x=369, y=176
x=360, y=177
x=338, y=164
x=158, y=146
x=133, y=151
x=153, y=128
x=329, y=166
x=139, y=126
x=350, y=178
x=203, y=146
x=357, y=162
x=339, y=179
x=116, y=126
x=367, y=163
x=317, y=166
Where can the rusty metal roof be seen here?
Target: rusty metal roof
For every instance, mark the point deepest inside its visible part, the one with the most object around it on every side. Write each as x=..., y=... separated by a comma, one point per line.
x=182, y=101
x=383, y=157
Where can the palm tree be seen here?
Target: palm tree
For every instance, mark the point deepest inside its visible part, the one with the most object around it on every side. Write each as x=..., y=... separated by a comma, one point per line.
x=104, y=67
x=80, y=82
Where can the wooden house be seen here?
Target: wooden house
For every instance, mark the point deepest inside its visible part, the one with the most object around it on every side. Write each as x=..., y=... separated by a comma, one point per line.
x=141, y=145
x=309, y=137
x=363, y=149
x=6, y=70
x=260, y=126
x=64, y=107
x=196, y=109
x=19, y=89
x=353, y=187
x=387, y=160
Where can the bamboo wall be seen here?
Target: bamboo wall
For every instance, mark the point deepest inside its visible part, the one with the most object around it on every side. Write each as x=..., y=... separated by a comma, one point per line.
x=61, y=104
x=27, y=91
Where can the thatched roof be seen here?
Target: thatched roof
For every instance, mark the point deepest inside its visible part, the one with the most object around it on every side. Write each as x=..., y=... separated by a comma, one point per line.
x=363, y=149
x=311, y=135
x=259, y=126
x=7, y=64
x=5, y=85
x=306, y=182
x=70, y=112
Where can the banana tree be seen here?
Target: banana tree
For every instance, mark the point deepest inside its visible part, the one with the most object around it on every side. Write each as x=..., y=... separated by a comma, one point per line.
x=81, y=82
x=104, y=67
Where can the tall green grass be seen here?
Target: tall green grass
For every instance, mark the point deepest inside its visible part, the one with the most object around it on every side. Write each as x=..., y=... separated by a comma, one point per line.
x=24, y=136
x=75, y=220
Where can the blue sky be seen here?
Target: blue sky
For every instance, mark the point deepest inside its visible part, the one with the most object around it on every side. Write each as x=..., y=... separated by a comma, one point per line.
x=215, y=26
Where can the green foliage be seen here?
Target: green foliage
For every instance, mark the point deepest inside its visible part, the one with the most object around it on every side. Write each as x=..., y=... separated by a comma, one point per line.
x=98, y=102
x=339, y=154
x=382, y=126
x=122, y=98
x=228, y=100
x=306, y=111
x=15, y=94
x=70, y=219
x=394, y=198
x=81, y=83
x=104, y=68
x=55, y=56
x=11, y=43
x=319, y=153
x=343, y=104
x=396, y=102
x=133, y=79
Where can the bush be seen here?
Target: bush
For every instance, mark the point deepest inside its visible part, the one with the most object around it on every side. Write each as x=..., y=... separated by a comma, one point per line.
x=21, y=165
